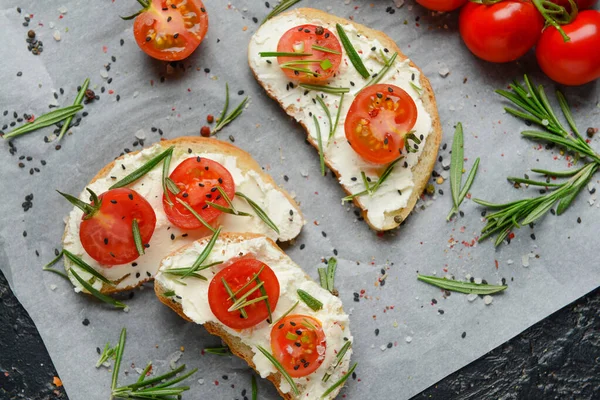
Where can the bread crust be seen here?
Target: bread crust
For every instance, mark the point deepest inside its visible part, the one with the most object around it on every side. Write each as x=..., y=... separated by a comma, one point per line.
x=422, y=170
x=197, y=144
x=235, y=344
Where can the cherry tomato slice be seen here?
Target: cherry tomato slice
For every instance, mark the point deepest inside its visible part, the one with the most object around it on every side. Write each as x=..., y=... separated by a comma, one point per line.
x=300, y=39
x=379, y=118
x=239, y=276
x=298, y=343
x=500, y=32
x=107, y=236
x=441, y=5
x=197, y=179
x=577, y=61
x=171, y=30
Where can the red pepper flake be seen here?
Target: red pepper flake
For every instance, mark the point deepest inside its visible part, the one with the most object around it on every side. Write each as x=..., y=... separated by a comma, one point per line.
x=380, y=234
x=216, y=383
x=57, y=382
x=151, y=82
x=111, y=91
x=104, y=49
x=31, y=119
x=511, y=235
x=496, y=261
x=189, y=90
x=60, y=16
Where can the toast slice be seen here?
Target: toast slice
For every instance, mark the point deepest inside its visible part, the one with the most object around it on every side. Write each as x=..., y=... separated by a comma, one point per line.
x=190, y=301
x=249, y=178
x=388, y=207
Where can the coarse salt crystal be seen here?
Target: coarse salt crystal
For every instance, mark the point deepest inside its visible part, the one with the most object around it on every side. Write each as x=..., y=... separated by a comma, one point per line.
x=62, y=9
x=468, y=277
x=398, y=3
x=478, y=281
x=383, y=347
x=140, y=134
x=488, y=300
x=444, y=71
x=472, y=297
x=510, y=262
x=126, y=309
x=103, y=74
x=525, y=260
x=201, y=381
x=51, y=25
x=136, y=94
x=56, y=35
x=139, y=371
x=408, y=339
x=52, y=287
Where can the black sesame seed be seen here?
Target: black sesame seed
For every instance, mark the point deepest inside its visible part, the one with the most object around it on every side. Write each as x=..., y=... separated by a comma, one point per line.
x=85, y=322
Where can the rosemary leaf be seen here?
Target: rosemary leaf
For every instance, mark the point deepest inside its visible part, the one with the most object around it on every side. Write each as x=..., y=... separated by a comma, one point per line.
x=386, y=173
x=325, y=89
x=254, y=388
x=351, y=51
x=263, y=291
x=468, y=182
x=283, y=54
x=338, y=359
x=280, y=368
x=86, y=267
x=118, y=358
x=227, y=119
x=337, y=118
x=300, y=69
x=88, y=209
x=340, y=381
x=219, y=351
x=558, y=174
x=137, y=237
x=320, y=145
x=78, y=100
x=378, y=76
x=323, y=277
x=325, y=49
x=169, y=293
x=461, y=287
x=96, y=293
x=279, y=8
x=143, y=170
x=331, y=268
x=195, y=214
x=44, y=120
x=167, y=184
x=228, y=210
x=327, y=113
x=106, y=354
x=285, y=314
x=310, y=301
x=232, y=296
x=456, y=163
x=259, y=212
x=48, y=267
x=417, y=88
x=205, y=252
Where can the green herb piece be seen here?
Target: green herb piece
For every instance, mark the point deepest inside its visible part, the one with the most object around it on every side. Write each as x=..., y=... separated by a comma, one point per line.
x=456, y=171
x=231, y=209
x=263, y=291
x=254, y=388
x=351, y=51
x=86, y=267
x=169, y=293
x=94, y=292
x=242, y=301
x=259, y=212
x=378, y=76
x=338, y=359
x=291, y=336
x=204, y=254
x=283, y=54
x=411, y=136
x=167, y=184
x=307, y=324
x=184, y=273
x=340, y=381
x=44, y=120
x=232, y=296
x=325, y=64
x=324, y=49
x=285, y=314
x=280, y=368
x=372, y=189
x=143, y=170
x=227, y=119
x=78, y=100
x=279, y=8
x=320, y=145
x=88, y=209
x=310, y=301
x=107, y=353
x=137, y=237
x=327, y=275
x=325, y=89
x=219, y=351
x=48, y=267
x=461, y=287
x=300, y=69
x=327, y=113
x=118, y=358
x=417, y=88
x=323, y=277
x=195, y=214
x=337, y=117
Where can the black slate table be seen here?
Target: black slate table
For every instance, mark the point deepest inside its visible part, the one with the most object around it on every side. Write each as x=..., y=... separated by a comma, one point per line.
x=558, y=358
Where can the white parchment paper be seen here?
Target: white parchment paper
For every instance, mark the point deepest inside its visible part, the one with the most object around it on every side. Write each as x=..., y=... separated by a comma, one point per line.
x=425, y=329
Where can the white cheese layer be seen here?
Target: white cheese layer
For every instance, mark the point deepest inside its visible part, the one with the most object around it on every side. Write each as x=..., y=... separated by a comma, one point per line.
x=167, y=237
x=397, y=189
x=194, y=301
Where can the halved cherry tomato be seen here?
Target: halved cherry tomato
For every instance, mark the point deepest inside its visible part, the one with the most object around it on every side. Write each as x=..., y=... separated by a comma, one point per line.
x=107, y=235
x=378, y=120
x=300, y=39
x=197, y=179
x=171, y=30
x=577, y=61
x=441, y=5
x=501, y=32
x=298, y=343
x=240, y=277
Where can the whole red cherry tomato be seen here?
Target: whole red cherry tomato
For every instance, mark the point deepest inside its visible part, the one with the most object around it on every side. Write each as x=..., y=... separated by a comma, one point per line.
x=501, y=32
x=581, y=4
x=441, y=5
x=577, y=61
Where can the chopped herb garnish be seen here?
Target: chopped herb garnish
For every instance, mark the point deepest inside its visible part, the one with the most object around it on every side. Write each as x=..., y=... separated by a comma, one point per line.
x=143, y=170
x=411, y=136
x=351, y=51
x=167, y=184
x=88, y=209
x=456, y=171
x=254, y=388
x=416, y=87
x=231, y=295
x=310, y=301
x=48, y=267
x=280, y=368
x=169, y=293
x=462, y=287
x=107, y=353
x=197, y=266
x=299, y=69
x=259, y=212
x=86, y=267
x=44, y=120
x=327, y=275
x=337, y=117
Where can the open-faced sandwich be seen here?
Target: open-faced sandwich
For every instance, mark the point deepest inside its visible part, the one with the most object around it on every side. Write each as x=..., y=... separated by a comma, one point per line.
x=146, y=204
x=247, y=291
x=368, y=110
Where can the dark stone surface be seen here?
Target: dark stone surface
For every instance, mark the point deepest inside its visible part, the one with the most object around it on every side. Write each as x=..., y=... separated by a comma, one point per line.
x=558, y=358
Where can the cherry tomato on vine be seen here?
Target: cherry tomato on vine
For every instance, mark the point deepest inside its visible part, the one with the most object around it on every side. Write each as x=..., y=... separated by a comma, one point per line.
x=501, y=32
x=301, y=39
x=106, y=232
x=240, y=279
x=378, y=120
x=577, y=61
x=298, y=343
x=170, y=30
x=442, y=5
x=197, y=179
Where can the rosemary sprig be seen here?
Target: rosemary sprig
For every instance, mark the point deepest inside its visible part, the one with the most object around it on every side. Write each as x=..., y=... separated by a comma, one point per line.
x=533, y=106
x=254, y=388
x=242, y=301
x=167, y=184
x=218, y=351
x=94, y=292
x=386, y=67
x=137, y=237
x=280, y=368
x=225, y=119
x=285, y=314
x=351, y=51
x=461, y=287
x=78, y=100
x=204, y=254
x=372, y=189
x=340, y=381
x=283, y=54
x=337, y=117
x=456, y=171
x=195, y=214
x=86, y=267
x=160, y=387
x=319, y=100
x=417, y=88
x=230, y=293
x=107, y=353
x=299, y=69
x=143, y=170
x=325, y=49
x=48, y=267
x=228, y=210
x=259, y=212
x=44, y=120
x=320, y=145
x=327, y=275
x=88, y=209
x=279, y=8
x=325, y=89
x=338, y=359
x=310, y=301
